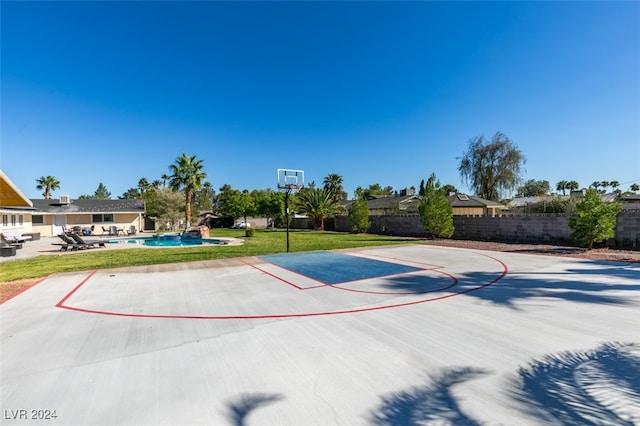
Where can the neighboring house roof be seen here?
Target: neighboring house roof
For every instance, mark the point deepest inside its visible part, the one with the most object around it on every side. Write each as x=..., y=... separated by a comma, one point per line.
x=410, y=202
x=54, y=206
x=607, y=198
x=630, y=198
x=10, y=195
x=523, y=201
x=464, y=200
x=401, y=203
x=610, y=197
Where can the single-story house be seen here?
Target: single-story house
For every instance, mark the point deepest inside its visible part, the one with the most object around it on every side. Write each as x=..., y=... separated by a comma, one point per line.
x=386, y=205
x=462, y=204
x=15, y=207
x=629, y=201
x=51, y=215
x=468, y=205
x=47, y=217
x=521, y=202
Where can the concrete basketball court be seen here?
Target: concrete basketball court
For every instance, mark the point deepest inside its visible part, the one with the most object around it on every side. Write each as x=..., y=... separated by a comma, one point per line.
x=400, y=335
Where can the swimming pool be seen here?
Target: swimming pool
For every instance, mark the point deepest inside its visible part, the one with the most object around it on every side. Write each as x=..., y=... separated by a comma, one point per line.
x=169, y=242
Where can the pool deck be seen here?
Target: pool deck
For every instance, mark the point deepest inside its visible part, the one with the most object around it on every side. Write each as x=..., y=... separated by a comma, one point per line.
x=46, y=246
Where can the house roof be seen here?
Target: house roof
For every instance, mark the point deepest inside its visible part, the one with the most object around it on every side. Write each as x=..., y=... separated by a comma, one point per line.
x=455, y=200
x=464, y=200
x=523, y=201
x=392, y=202
x=54, y=206
x=630, y=198
x=10, y=195
x=607, y=198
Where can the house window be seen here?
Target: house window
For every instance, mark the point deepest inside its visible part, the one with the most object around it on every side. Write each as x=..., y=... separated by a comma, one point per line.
x=37, y=219
x=13, y=220
x=5, y=220
x=20, y=220
x=100, y=218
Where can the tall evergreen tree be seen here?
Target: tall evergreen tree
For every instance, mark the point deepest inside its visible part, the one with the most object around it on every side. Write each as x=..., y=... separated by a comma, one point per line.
x=436, y=214
x=102, y=193
x=359, y=213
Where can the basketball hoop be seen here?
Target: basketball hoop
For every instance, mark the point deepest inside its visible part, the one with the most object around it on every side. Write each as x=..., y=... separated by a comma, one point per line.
x=293, y=187
x=289, y=180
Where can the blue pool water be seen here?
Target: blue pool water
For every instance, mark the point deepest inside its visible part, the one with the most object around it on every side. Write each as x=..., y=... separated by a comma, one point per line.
x=167, y=242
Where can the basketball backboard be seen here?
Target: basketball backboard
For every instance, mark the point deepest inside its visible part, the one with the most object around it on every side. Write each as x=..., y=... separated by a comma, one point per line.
x=289, y=179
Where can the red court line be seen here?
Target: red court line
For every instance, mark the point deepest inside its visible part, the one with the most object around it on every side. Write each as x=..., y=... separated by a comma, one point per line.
x=277, y=316
x=64, y=299
x=321, y=284
x=273, y=275
x=453, y=284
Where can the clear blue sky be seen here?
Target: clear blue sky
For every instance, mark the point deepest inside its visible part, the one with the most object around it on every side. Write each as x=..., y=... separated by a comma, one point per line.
x=377, y=92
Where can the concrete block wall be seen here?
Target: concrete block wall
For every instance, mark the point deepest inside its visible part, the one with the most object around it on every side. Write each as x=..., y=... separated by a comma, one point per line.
x=628, y=229
x=553, y=229
x=401, y=225
x=535, y=228
x=406, y=226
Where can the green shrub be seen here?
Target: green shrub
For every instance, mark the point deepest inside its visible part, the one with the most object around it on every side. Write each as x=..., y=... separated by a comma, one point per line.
x=359, y=216
x=249, y=232
x=594, y=221
x=435, y=212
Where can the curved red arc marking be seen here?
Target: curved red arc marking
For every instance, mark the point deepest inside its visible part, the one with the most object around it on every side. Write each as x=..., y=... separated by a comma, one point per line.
x=504, y=272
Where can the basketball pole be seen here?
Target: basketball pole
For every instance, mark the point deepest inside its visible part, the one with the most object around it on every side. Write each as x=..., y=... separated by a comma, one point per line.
x=286, y=213
x=289, y=180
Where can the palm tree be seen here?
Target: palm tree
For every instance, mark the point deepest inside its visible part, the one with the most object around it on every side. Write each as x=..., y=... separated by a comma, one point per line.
x=614, y=184
x=143, y=185
x=318, y=204
x=562, y=186
x=187, y=173
x=333, y=185
x=165, y=177
x=48, y=183
x=595, y=185
x=634, y=187
x=156, y=184
x=604, y=184
x=572, y=185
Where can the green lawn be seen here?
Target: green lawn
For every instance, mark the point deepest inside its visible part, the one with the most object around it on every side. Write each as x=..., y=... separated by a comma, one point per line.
x=264, y=242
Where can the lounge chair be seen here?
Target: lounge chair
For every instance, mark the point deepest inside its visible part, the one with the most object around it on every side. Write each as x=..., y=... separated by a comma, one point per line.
x=132, y=230
x=87, y=243
x=105, y=230
x=113, y=230
x=68, y=244
x=14, y=237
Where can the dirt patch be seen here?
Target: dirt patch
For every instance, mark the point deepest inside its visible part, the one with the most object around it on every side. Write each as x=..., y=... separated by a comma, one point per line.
x=10, y=289
x=548, y=250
